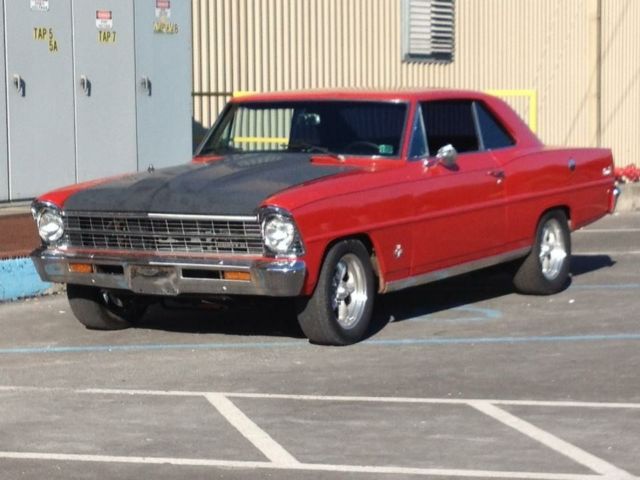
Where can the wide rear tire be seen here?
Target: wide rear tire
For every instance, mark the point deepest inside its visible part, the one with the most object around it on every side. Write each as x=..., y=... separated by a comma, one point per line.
x=546, y=269
x=99, y=309
x=339, y=311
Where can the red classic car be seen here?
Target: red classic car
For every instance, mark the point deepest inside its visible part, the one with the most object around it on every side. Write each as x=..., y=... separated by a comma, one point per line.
x=331, y=197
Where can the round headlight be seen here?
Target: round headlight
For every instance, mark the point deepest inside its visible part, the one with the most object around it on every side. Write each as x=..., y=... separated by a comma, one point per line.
x=50, y=225
x=279, y=233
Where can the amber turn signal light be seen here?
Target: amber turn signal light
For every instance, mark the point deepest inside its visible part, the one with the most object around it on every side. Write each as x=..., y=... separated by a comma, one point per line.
x=241, y=276
x=80, y=268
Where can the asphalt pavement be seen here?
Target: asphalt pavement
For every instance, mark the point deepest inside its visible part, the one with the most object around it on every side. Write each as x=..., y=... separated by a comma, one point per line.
x=461, y=379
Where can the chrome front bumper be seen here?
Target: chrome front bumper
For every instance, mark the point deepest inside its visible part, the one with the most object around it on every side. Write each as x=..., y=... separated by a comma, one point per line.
x=174, y=276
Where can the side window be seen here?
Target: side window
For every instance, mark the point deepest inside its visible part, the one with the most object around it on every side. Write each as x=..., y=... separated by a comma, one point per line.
x=418, y=147
x=450, y=122
x=493, y=133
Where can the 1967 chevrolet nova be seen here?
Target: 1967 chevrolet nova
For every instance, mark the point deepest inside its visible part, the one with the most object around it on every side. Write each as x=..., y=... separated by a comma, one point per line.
x=331, y=197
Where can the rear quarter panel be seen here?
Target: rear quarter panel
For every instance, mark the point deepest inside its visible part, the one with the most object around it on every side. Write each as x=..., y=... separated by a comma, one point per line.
x=539, y=180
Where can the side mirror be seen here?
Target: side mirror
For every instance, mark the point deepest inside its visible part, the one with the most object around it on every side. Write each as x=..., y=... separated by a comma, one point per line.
x=447, y=155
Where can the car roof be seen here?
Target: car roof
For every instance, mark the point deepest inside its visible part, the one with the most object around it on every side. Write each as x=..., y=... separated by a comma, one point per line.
x=511, y=121
x=398, y=95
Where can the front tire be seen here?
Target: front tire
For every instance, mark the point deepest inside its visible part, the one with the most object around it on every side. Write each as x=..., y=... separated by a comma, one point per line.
x=339, y=311
x=99, y=309
x=546, y=269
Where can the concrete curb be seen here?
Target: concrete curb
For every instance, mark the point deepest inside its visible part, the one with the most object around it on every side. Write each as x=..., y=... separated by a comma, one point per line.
x=629, y=200
x=19, y=279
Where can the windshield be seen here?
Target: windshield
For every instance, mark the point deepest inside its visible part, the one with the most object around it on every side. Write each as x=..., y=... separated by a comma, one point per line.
x=334, y=127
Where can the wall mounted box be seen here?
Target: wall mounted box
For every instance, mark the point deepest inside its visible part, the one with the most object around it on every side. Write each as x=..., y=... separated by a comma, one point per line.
x=95, y=88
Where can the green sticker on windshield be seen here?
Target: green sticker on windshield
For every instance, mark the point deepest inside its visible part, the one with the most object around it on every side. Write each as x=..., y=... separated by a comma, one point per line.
x=385, y=149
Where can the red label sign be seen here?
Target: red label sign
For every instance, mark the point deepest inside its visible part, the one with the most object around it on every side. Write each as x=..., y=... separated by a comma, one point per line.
x=103, y=15
x=164, y=4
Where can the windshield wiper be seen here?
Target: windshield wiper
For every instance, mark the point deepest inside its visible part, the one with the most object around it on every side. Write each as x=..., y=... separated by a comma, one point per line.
x=307, y=147
x=218, y=150
x=310, y=148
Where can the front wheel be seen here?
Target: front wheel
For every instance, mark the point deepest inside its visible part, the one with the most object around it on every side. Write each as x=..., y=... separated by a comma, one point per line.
x=546, y=269
x=99, y=309
x=339, y=311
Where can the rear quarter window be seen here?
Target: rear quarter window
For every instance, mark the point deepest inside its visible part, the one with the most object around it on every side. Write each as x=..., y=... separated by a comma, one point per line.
x=494, y=135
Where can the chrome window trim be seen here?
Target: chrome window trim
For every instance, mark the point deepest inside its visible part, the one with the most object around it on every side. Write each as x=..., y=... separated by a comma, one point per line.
x=476, y=123
x=234, y=103
x=481, y=104
x=418, y=118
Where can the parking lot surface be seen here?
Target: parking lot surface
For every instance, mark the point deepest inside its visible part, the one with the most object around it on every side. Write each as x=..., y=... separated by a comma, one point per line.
x=461, y=379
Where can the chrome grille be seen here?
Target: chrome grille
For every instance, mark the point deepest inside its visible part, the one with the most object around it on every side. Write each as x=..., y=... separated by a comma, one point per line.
x=163, y=234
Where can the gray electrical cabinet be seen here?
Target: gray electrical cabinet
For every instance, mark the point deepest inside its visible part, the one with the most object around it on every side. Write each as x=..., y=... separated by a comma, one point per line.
x=105, y=87
x=160, y=33
x=95, y=88
x=4, y=155
x=39, y=96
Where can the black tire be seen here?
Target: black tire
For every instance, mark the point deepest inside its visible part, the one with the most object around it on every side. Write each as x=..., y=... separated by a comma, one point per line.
x=544, y=272
x=324, y=317
x=98, y=309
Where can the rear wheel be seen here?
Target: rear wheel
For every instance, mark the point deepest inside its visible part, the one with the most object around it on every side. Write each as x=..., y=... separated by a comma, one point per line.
x=100, y=309
x=339, y=311
x=546, y=269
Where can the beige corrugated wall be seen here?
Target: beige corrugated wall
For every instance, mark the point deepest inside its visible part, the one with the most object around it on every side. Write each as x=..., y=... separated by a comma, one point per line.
x=621, y=79
x=549, y=46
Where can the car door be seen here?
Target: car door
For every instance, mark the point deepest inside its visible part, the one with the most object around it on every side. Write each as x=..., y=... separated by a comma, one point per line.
x=460, y=213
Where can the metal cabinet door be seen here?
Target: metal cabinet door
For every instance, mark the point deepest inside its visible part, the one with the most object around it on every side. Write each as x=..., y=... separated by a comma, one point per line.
x=4, y=159
x=40, y=96
x=104, y=87
x=163, y=67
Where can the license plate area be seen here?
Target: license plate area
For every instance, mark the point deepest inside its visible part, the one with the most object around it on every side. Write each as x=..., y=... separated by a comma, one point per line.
x=155, y=280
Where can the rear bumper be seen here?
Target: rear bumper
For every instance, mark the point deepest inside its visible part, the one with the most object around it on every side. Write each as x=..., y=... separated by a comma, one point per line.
x=613, y=199
x=173, y=276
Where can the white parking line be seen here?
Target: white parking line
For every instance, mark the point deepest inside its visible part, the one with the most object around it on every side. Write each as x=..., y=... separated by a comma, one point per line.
x=328, y=398
x=282, y=459
x=200, y=462
x=608, y=252
x=252, y=432
x=565, y=448
x=608, y=230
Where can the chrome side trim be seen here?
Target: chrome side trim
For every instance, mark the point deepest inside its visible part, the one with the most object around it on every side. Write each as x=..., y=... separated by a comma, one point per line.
x=453, y=271
x=224, y=218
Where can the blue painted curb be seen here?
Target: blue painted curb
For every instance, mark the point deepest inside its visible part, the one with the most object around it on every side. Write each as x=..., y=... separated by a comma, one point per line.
x=19, y=279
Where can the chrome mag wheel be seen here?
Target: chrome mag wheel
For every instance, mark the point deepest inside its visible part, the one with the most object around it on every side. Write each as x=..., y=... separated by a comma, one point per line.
x=348, y=293
x=553, y=251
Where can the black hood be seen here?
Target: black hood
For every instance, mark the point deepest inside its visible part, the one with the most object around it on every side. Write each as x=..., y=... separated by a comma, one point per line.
x=235, y=185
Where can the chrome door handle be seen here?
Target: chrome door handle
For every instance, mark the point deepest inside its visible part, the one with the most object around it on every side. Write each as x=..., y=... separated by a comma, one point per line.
x=85, y=85
x=18, y=82
x=499, y=175
x=145, y=84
